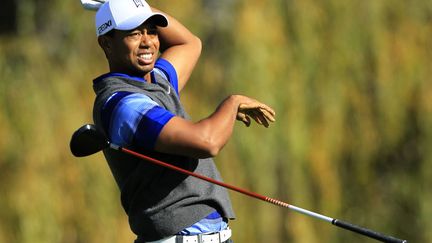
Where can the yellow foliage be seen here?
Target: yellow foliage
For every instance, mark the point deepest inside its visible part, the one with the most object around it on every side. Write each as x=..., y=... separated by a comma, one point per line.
x=349, y=80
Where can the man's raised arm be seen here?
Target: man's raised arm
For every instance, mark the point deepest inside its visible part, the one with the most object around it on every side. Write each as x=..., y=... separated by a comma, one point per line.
x=180, y=47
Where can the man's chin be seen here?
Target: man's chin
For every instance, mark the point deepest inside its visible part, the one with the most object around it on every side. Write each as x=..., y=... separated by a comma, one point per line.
x=147, y=68
x=144, y=69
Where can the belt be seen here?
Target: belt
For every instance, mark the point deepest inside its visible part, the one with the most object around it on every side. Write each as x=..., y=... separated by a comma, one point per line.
x=216, y=237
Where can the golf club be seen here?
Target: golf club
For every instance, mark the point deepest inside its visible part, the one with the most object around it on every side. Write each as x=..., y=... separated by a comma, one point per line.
x=87, y=140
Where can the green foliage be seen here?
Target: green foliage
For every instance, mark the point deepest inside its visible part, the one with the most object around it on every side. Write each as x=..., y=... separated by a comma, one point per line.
x=350, y=82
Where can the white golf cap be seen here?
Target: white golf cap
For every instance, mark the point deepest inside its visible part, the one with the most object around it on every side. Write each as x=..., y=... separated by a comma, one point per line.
x=125, y=15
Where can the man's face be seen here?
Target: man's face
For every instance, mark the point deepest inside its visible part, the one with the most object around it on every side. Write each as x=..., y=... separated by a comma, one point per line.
x=134, y=52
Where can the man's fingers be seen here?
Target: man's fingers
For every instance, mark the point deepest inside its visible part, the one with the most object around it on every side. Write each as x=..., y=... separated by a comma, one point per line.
x=264, y=108
x=259, y=118
x=243, y=118
x=247, y=121
x=268, y=115
x=257, y=115
x=260, y=113
x=268, y=112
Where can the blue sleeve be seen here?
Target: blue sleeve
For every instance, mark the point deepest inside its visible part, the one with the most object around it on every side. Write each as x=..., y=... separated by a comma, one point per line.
x=131, y=118
x=168, y=69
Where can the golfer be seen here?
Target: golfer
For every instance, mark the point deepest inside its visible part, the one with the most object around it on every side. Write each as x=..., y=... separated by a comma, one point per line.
x=151, y=56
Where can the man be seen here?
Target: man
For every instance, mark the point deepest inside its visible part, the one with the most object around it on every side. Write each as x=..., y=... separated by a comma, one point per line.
x=137, y=106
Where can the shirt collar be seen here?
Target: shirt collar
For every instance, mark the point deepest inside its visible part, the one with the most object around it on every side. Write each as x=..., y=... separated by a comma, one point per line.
x=114, y=74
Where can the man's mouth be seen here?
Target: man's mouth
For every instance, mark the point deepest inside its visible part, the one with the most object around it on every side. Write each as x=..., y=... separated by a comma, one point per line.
x=145, y=58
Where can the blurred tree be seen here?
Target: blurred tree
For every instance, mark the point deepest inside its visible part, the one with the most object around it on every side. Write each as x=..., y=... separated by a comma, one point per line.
x=350, y=82
x=8, y=17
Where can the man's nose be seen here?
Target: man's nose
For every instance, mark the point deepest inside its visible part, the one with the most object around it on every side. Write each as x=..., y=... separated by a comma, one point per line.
x=146, y=39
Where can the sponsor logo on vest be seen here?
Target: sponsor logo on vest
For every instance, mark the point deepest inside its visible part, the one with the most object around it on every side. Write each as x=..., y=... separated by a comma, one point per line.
x=138, y=3
x=104, y=26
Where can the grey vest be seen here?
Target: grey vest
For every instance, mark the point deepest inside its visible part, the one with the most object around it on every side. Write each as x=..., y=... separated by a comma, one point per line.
x=160, y=202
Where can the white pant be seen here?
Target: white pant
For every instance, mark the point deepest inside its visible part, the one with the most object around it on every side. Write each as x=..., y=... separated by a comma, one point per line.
x=215, y=237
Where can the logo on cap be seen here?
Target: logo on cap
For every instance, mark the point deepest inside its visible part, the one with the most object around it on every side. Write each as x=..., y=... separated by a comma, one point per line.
x=104, y=26
x=138, y=3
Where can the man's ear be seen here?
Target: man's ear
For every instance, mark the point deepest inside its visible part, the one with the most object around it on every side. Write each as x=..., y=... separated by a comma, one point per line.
x=105, y=44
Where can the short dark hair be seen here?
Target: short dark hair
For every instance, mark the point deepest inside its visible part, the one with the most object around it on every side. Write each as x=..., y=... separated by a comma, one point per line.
x=110, y=33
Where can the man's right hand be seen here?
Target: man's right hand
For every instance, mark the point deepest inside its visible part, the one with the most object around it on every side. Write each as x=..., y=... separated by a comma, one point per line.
x=258, y=111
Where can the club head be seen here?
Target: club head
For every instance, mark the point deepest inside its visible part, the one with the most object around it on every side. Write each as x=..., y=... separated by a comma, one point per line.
x=87, y=140
x=93, y=5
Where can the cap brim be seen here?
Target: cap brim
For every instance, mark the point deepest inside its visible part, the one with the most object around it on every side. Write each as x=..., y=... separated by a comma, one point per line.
x=160, y=20
x=134, y=22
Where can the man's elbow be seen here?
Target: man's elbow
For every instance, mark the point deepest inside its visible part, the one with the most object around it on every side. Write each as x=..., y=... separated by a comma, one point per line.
x=214, y=151
x=211, y=149
x=196, y=41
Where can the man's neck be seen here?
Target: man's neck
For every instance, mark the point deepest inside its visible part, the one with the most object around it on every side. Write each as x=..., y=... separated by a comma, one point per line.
x=145, y=76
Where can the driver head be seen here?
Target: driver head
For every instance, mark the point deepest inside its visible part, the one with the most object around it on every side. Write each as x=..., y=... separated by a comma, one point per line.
x=87, y=140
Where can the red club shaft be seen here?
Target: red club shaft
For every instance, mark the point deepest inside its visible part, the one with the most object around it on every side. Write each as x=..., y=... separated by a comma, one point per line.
x=336, y=222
